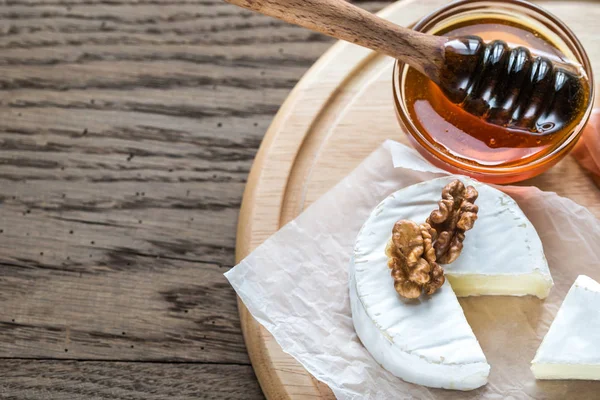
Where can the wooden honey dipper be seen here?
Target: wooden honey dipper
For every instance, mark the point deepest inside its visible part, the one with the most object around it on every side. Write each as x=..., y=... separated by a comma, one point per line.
x=506, y=87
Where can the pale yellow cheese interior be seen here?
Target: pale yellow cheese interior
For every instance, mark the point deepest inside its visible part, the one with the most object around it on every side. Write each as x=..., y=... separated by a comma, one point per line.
x=535, y=284
x=566, y=371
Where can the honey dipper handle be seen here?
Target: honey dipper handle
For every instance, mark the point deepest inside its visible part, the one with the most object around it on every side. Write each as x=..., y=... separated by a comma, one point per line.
x=345, y=21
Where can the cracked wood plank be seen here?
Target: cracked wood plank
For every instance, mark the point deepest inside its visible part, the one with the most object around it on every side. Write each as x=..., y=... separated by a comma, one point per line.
x=127, y=131
x=74, y=380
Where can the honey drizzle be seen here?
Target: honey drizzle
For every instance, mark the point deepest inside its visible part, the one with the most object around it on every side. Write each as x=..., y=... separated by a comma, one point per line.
x=469, y=137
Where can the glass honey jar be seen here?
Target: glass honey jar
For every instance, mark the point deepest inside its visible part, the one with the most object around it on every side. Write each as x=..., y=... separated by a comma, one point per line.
x=462, y=143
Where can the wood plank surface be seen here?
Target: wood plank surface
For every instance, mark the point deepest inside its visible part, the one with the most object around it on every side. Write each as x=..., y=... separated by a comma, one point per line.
x=339, y=113
x=92, y=380
x=127, y=131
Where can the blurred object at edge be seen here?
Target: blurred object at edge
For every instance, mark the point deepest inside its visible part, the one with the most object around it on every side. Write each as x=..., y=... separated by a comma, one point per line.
x=587, y=149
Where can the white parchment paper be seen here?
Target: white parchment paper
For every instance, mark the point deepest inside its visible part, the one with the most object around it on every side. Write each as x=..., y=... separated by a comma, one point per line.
x=296, y=285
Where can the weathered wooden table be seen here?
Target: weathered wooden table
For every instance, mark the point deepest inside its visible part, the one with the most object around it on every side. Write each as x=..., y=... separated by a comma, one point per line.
x=128, y=128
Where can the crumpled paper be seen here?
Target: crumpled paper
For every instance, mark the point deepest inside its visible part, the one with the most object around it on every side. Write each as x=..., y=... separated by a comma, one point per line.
x=296, y=285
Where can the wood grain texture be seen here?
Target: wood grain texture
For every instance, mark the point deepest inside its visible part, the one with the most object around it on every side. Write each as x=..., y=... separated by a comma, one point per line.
x=338, y=114
x=127, y=131
x=92, y=380
x=345, y=21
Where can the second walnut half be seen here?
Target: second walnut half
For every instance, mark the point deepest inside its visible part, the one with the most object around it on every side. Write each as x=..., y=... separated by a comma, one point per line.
x=455, y=215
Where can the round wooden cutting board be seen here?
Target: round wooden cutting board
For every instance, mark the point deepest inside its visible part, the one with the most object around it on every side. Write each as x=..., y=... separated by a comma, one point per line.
x=339, y=112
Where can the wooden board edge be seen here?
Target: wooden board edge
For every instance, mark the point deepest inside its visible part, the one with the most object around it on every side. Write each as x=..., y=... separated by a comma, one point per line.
x=264, y=368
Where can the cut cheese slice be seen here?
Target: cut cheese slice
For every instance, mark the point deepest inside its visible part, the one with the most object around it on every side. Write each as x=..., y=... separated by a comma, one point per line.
x=425, y=341
x=502, y=254
x=571, y=348
x=428, y=340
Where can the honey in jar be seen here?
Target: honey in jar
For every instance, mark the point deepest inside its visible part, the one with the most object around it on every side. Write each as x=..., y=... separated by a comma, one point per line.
x=462, y=142
x=471, y=137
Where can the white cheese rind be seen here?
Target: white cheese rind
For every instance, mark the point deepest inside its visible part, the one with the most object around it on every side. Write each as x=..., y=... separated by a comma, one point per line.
x=502, y=246
x=426, y=341
x=571, y=348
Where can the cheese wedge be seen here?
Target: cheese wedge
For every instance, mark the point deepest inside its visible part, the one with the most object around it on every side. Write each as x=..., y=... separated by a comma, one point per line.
x=571, y=348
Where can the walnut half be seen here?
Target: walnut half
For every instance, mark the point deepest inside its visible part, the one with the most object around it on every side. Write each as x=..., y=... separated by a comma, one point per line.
x=455, y=215
x=415, y=250
x=412, y=259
